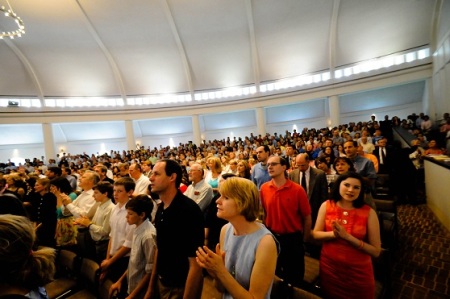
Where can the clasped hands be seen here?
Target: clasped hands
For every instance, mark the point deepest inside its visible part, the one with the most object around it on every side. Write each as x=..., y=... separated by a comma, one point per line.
x=212, y=261
x=338, y=230
x=65, y=199
x=83, y=220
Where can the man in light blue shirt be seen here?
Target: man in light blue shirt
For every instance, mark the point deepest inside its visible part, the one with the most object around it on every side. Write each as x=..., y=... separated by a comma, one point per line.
x=260, y=175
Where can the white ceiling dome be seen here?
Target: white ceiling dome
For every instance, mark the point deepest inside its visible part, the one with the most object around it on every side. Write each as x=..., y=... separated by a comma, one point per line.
x=107, y=48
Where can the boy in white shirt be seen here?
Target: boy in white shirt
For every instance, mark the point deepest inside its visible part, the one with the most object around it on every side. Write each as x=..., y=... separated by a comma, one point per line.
x=97, y=222
x=143, y=248
x=121, y=235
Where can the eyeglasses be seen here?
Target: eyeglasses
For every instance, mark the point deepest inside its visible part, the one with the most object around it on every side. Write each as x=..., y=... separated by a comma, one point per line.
x=273, y=164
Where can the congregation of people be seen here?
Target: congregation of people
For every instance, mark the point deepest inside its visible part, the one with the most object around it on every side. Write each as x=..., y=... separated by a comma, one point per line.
x=240, y=210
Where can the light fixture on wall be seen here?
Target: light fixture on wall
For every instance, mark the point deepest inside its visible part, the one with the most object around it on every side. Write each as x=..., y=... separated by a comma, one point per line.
x=9, y=13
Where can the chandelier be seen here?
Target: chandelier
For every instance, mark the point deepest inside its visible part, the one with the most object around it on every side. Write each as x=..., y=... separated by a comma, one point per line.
x=9, y=13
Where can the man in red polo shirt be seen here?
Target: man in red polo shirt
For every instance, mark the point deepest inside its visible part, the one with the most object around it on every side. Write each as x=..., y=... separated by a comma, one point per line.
x=288, y=216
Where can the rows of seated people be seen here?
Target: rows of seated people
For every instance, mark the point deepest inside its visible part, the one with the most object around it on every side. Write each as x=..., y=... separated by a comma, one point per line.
x=80, y=202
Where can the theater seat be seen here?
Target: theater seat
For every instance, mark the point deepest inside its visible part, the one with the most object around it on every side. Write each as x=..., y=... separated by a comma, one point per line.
x=282, y=290
x=67, y=267
x=382, y=267
x=382, y=187
x=103, y=289
x=88, y=280
x=303, y=294
x=311, y=271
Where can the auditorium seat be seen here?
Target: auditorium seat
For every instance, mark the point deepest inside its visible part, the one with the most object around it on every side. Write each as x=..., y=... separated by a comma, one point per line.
x=88, y=280
x=382, y=267
x=311, y=277
x=67, y=268
x=387, y=216
x=382, y=187
x=103, y=289
x=282, y=290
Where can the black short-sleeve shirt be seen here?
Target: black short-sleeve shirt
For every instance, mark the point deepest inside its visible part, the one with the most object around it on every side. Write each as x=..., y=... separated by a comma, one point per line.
x=179, y=232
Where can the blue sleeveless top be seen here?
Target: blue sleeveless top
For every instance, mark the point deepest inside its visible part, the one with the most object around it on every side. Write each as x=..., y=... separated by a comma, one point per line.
x=240, y=254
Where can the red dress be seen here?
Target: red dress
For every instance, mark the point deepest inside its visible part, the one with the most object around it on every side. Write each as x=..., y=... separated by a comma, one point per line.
x=345, y=271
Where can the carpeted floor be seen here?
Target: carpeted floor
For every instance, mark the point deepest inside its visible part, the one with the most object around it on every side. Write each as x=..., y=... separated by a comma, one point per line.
x=422, y=262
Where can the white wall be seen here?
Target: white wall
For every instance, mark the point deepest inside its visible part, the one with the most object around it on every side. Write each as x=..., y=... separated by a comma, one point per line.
x=441, y=64
x=92, y=146
x=401, y=111
x=164, y=140
x=234, y=132
x=18, y=153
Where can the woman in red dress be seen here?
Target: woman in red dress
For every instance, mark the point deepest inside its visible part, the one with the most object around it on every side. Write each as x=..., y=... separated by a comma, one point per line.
x=350, y=233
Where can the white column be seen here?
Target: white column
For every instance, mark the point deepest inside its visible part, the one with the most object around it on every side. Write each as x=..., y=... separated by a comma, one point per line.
x=261, y=121
x=49, y=142
x=131, y=142
x=333, y=106
x=428, y=103
x=196, y=130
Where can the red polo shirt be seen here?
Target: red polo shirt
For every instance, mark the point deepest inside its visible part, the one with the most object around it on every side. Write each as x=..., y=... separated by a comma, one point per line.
x=285, y=207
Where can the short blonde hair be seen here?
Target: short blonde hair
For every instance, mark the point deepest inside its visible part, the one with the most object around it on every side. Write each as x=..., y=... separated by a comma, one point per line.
x=244, y=193
x=45, y=182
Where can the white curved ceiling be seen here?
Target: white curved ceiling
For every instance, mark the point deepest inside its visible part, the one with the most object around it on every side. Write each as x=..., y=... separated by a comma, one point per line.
x=140, y=47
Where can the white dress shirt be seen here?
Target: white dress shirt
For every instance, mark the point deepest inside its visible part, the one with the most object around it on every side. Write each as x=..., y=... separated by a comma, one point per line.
x=100, y=227
x=121, y=232
x=201, y=193
x=141, y=185
x=142, y=254
x=81, y=205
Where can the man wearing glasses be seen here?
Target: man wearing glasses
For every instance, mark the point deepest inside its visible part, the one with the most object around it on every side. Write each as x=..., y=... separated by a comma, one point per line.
x=199, y=191
x=288, y=216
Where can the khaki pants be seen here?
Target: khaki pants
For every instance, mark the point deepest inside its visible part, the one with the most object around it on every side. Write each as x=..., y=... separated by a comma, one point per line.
x=169, y=293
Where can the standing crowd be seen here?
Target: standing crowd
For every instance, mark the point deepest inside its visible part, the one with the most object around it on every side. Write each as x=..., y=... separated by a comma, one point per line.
x=239, y=210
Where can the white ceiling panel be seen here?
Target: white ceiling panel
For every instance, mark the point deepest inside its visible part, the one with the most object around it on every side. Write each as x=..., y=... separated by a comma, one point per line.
x=216, y=39
x=140, y=47
x=292, y=39
x=92, y=131
x=124, y=48
x=62, y=53
x=369, y=29
x=139, y=38
x=14, y=79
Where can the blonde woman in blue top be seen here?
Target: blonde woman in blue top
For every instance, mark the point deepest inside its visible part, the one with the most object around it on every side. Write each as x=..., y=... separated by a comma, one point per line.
x=243, y=265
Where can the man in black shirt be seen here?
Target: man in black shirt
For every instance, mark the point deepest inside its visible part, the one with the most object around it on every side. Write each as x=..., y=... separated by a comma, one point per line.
x=179, y=232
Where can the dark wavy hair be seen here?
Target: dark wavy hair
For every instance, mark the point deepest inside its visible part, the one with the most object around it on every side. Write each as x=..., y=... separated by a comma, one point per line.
x=62, y=184
x=345, y=160
x=335, y=194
